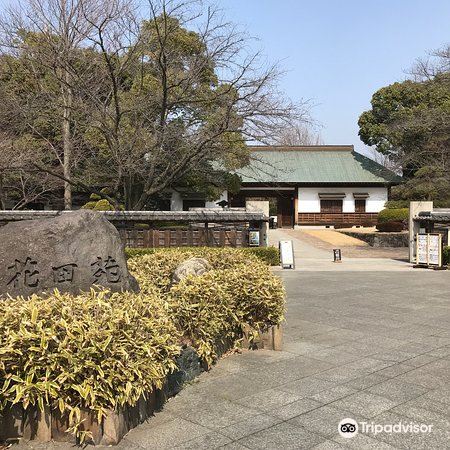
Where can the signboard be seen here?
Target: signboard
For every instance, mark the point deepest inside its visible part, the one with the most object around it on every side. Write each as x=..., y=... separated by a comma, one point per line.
x=337, y=255
x=287, y=254
x=253, y=238
x=429, y=249
x=434, y=249
x=422, y=249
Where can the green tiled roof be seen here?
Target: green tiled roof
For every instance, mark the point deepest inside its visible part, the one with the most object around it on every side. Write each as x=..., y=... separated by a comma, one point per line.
x=316, y=164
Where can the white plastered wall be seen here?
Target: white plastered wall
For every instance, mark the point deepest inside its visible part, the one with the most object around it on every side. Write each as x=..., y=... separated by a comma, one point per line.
x=309, y=201
x=176, y=201
x=223, y=196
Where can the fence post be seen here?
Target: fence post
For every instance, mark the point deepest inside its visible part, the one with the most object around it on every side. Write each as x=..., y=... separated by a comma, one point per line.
x=263, y=226
x=206, y=235
x=414, y=209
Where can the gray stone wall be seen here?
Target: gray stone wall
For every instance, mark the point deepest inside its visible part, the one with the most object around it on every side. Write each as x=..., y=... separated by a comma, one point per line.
x=378, y=239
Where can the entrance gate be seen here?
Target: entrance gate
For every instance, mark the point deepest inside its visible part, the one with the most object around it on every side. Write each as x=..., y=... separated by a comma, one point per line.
x=284, y=202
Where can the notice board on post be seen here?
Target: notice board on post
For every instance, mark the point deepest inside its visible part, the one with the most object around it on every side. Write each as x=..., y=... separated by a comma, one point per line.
x=287, y=254
x=422, y=249
x=434, y=250
x=429, y=249
x=253, y=238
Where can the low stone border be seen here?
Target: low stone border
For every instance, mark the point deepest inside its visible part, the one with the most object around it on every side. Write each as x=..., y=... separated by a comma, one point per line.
x=272, y=339
x=32, y=424
x=380, y=239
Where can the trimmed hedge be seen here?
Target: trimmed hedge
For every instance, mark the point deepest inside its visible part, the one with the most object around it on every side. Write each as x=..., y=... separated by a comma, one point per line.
x=393, y=215
x=446, y=255
x=269, y=255
x=391, y=227
x=393, y=220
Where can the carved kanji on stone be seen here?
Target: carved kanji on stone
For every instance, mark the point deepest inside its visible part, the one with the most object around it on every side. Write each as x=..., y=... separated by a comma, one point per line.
x=70, y=252
x=64, y=273
x=25, y=273
x=108, y=269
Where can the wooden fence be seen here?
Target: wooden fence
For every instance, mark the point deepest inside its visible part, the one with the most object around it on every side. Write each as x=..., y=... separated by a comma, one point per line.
x=367, y=219
x=210, y=237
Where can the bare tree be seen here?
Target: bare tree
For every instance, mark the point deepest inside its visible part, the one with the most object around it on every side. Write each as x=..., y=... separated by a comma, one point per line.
x=298, y=133
x=20, y=182
x=384, y=160
x=436, y=63
x=161, y=95
x=48, y=36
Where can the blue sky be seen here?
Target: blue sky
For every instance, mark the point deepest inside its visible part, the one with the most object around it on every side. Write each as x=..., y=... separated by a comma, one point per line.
x=339, y=52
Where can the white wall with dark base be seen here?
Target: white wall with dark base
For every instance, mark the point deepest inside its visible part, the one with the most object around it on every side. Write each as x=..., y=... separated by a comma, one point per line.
x=309, y=201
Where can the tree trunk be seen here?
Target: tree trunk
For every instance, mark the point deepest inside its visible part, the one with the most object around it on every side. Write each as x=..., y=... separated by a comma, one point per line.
x=2, y=193
x=67, y=142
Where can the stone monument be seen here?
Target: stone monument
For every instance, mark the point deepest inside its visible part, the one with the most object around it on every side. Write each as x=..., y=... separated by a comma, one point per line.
x=71, y=253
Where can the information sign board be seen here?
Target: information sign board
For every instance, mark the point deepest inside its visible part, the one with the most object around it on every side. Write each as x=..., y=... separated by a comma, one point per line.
x=287, y=254
x=429, y=249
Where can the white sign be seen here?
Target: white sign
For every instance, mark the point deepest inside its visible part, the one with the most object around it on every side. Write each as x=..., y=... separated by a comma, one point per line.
x=434, y=249
x=429, y=249
x=253, y=238
x=287, y=254
x=422, y=249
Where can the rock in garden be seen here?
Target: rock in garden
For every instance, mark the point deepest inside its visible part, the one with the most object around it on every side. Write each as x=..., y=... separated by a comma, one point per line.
x=71, y=252
x=192, y=266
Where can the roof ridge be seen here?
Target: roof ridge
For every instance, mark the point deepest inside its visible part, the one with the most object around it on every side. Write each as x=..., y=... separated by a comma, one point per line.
x=349, y=148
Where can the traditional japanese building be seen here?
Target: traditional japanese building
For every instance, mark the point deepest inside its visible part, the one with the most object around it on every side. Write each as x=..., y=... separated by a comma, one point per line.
x=310, y=185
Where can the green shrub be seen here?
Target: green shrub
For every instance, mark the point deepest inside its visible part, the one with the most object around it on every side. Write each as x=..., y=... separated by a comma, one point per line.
x=89, y=205
x=155, y=269
x=269, y=255
x=393, y=215
x=258, y=294
x=397, y=204
x=367, y=224
x=94, y=351
x=142, y=226
x=446, y=255
x=100, y=204
x=391, y=227
x=104, y=205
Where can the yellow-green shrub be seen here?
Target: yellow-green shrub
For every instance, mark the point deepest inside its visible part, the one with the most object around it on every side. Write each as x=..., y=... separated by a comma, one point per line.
x=93, y=351
x=258, y=294
x=203, y=311
x=218, y=306
x=155, y=269
x=269, y=255
x=240, y=293
x=98, y=350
